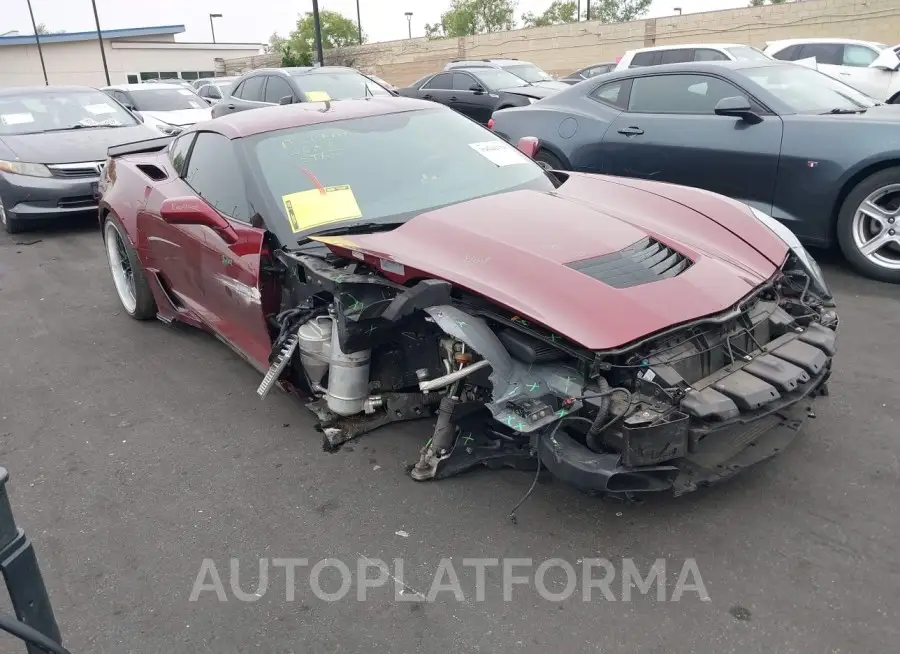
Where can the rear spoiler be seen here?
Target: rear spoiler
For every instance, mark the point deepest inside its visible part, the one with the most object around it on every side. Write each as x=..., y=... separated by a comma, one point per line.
x=139, y=147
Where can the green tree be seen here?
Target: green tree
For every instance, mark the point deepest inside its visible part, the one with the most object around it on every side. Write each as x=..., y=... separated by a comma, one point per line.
x=42, y=30
x=618, y=11
x=465, y=17
x=760, y=3
x=299, y=48
x=558, y=13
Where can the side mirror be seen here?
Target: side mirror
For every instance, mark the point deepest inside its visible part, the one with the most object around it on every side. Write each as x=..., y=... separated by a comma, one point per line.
x=288, y=99
x=529, y=145
x=738, y=107
x=478, y=88
x=192, y=210
x=887, y=60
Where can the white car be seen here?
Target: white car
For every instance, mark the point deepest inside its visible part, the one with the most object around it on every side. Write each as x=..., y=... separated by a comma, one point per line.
x=215, y=89
x=683, y=53
x=867, y=66
x=167, y=107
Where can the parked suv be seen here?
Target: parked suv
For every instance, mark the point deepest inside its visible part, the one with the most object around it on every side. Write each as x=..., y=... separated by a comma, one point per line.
x=679, y=54
x=522, y=69
x=271, y=86
x=865, y=65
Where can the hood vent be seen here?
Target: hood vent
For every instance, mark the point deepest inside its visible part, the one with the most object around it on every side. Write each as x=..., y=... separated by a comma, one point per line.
x=648, y=260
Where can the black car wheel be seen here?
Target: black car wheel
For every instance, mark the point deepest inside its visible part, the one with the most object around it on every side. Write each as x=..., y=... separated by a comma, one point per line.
x=550, y=160
x=868, y=226
x=10, y=225
x=127, y=273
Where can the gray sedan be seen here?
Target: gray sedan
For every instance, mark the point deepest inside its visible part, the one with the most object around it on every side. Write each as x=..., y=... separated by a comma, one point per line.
x=53, y=141
x=789, y=141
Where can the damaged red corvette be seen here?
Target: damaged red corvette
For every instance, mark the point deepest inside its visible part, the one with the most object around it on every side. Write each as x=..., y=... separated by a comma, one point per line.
x=391, y=260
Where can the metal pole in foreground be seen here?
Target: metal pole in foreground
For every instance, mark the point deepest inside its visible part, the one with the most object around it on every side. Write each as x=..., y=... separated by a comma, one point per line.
x=37, y=39
x=212, y=28
x=317, y=26
x=359, y=22
x=409, y=16
x=100, y=39
x=22, y=574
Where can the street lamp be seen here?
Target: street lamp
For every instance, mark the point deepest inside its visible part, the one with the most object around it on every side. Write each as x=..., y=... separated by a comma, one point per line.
x=100, y=39
x=678, y=9
x=37, y=39
x=317, y=29
x=212, y=27
x=409, y=15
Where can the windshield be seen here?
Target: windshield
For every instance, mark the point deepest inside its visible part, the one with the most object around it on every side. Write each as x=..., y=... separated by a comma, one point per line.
x=32, y=113
x=497, y=78
x=339, y=86
x=808, y=91
x=529, y=72
x=386, y=168
x=746, y=53
x=166, y=99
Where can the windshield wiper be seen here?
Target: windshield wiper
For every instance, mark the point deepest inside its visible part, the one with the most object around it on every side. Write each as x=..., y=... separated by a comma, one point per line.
x=843, y=110
x=356, y=228
x=66, y=129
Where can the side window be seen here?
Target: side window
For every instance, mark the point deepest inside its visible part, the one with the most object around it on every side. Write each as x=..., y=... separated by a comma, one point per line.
x=463, y=82
x=214, y=173
x=790, y=53
x=858, y=55
x=678, y=94
x=708, y=54
x=213, y=92
x=203, y=92
x=440, y=81
x=178, y=150
x=238, y=91
x=614, y=94
x=643, y=59
x=677, y=56
x=825, y=53
x=253, y=89
x=277, y=88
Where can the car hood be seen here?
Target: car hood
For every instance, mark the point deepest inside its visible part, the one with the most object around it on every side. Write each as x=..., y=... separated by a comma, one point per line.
x=883, y=113
x=518, y=249
x=553, y=85
x=74, y=146
x=537, y=92
x=181, y=117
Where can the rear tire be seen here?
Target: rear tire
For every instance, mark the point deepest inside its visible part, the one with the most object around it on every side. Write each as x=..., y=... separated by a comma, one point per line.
x=868, y=226
x=549, y=159
x=128, y=275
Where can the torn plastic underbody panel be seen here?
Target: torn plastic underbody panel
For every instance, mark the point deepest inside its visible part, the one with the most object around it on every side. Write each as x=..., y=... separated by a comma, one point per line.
x=674, y=411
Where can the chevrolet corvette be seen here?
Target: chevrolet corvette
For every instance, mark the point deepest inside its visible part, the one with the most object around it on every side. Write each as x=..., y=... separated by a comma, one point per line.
x=387, y=259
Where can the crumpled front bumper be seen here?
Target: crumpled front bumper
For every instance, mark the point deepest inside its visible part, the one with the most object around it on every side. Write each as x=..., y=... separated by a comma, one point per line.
x=736, y=417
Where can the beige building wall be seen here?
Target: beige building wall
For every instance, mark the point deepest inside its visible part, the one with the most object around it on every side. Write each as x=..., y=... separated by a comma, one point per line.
x=564, y=48
x=79, y=62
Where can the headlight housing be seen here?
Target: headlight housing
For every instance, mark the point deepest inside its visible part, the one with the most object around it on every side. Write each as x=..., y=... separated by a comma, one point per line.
x=23, y=168
x=169, y=130
x=531, y=100
x=804, y=258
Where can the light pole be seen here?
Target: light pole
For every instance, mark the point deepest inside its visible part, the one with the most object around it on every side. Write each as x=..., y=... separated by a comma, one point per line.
x=358, y=22
x=100, y=39
x=409, y=15
x=212, y=28
x=317, y=27
x=678, y=9
x=37, y=39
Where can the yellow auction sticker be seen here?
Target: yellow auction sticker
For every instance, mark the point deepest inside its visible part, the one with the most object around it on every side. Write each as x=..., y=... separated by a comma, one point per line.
x=317, y=96
x=308, y=209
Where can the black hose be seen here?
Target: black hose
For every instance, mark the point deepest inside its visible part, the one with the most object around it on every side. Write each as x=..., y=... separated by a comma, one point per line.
x=598, y=426
x=30, y=635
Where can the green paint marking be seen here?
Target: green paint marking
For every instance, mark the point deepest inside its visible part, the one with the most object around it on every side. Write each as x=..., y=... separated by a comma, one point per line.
x=553, y=338
x=509, y=421
x=561, y=413
x=467, y=438
x=340, y=278
x=533, y=386
x=428, y=443
x=520, y=427
x=568, y=381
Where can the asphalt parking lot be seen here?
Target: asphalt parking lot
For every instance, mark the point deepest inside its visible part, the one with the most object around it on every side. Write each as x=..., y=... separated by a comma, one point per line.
x=139, y=450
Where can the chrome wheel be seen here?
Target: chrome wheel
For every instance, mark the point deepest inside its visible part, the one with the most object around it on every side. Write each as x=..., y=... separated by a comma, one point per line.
x=876, y=227
x=2, y=213
x=120, y=267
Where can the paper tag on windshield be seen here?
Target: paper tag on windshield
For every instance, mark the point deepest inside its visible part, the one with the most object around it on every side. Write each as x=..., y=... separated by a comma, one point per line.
x=317, y=96
x=185, y=92
x=16, y=119
x=499, y=153
x=308, y=209
x=99, y=109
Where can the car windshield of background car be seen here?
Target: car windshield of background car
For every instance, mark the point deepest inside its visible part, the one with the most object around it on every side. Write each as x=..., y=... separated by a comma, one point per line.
x=808, y=91
x=497, y=78
x=746, y=53
x=225, y=87
x=389, y=167
x=339, y=86
x=166, y=100
x=39, y=112
x=529, y=73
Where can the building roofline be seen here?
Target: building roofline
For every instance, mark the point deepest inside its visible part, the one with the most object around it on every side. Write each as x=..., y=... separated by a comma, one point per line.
x=68, y=37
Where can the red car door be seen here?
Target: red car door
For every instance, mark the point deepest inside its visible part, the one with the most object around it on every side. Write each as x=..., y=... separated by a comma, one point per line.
x=227, y=273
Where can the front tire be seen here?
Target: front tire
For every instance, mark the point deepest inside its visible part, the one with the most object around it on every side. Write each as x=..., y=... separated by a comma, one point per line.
x=127, y=273
x=868, y=226
x=549, y=159
x=11, y=225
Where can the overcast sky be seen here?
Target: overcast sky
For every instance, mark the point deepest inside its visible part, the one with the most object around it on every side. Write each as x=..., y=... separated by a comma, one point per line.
x=247, y=21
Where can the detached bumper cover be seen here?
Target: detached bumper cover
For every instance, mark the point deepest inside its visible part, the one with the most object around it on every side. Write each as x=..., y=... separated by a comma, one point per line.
x=736, y=417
